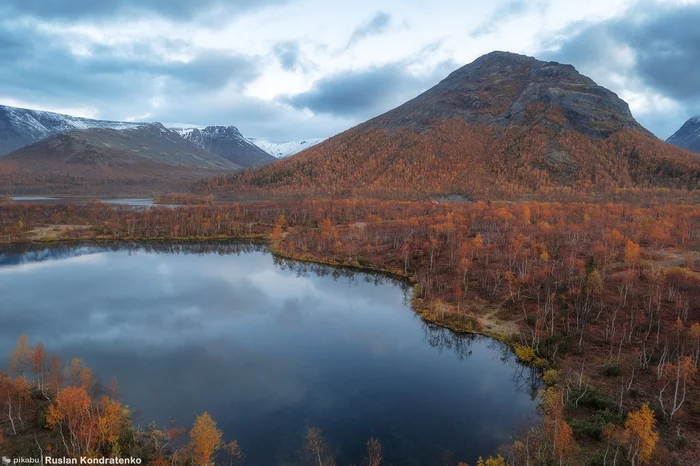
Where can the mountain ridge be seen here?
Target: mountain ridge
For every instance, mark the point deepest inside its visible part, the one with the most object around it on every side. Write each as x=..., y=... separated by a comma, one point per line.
x=147, y=158
x=503, y=124
x=20, y=127
x=487, y=91
x=82, y=146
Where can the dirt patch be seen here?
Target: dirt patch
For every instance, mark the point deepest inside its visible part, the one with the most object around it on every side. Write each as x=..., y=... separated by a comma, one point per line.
x=488, y=317
x=53, y=231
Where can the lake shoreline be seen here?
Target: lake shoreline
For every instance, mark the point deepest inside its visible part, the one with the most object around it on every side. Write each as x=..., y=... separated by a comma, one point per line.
x=418, y=305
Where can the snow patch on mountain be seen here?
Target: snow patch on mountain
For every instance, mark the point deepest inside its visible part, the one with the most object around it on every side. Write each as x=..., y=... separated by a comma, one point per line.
x=20, y=127
x=285, y=149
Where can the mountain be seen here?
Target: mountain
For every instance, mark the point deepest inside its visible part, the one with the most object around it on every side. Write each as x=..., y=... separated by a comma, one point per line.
x=229, y=143
x=688, y=136
x=501, y=125
x=20, y=127
x=281, y=150
x=148, y=158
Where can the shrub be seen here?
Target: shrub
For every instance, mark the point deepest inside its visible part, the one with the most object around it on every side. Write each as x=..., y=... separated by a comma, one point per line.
x=525, y=353
x=593, y=426
x=590, y=398
x=612, y=369
x=364, y=261
x=552, y=377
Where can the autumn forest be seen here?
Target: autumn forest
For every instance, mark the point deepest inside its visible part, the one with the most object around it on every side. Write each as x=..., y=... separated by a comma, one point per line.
x=602, y=298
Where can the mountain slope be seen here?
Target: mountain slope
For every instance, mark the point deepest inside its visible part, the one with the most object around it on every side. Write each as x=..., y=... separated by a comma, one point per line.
x=20, y=127
x=282, y=150
x=229, y=143
x=688, y=136
x=502, y=124
x=500, y=89
x=147, y=159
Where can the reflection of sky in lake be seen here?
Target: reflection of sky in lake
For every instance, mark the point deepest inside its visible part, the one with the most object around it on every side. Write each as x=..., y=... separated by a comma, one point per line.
x=268, y=351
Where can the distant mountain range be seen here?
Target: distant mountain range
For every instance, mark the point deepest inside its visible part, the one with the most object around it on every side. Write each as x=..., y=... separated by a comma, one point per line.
x=150, y=143
x=688, y=136
x=144, y=159
x=501, y=125
x=20, y=127
x=50, y=152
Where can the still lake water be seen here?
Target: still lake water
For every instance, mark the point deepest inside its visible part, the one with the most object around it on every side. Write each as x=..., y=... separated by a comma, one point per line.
x=268, y=348
x=132, y=202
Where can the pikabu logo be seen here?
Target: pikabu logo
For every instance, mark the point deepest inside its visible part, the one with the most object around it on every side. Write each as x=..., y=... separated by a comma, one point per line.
x=7, y=461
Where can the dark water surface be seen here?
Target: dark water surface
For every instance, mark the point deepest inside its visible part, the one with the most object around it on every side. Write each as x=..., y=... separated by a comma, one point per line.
x=268, y=348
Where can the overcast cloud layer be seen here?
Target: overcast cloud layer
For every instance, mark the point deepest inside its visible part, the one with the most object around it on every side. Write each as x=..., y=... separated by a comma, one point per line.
x=293, y=69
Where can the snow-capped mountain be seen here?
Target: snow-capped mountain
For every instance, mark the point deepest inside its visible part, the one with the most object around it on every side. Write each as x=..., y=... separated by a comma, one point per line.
x=688, y=136
x=20, y=127
x=229, y=143
x=149, y=147
x=281, y=150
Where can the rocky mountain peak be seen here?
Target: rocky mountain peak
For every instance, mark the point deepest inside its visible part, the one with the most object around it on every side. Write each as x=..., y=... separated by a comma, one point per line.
x=229, y=143
x=222, y=130
x=688, y=136
x=503, y=89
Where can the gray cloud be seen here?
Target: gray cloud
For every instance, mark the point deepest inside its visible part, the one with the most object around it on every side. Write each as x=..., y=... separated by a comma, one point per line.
x=366, y=93
x=136, y=82
x=665, y=44
x=40, y=68
x=377, y=25
x=175, y=9
x=289, y=55
x=507, y=10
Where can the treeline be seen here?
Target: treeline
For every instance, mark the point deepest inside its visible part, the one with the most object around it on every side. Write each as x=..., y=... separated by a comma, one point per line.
x=183, y=199
x=605, y=298
x=54, y=177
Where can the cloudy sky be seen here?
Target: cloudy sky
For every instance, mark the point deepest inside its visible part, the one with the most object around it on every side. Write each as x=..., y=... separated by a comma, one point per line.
x=292, y=69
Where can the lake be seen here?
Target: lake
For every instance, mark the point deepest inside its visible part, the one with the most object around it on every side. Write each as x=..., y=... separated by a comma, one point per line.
x=269, y=348
x=133, y=202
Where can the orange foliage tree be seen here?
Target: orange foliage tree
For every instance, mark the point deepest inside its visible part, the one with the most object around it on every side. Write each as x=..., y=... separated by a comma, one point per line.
x=205, y=439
